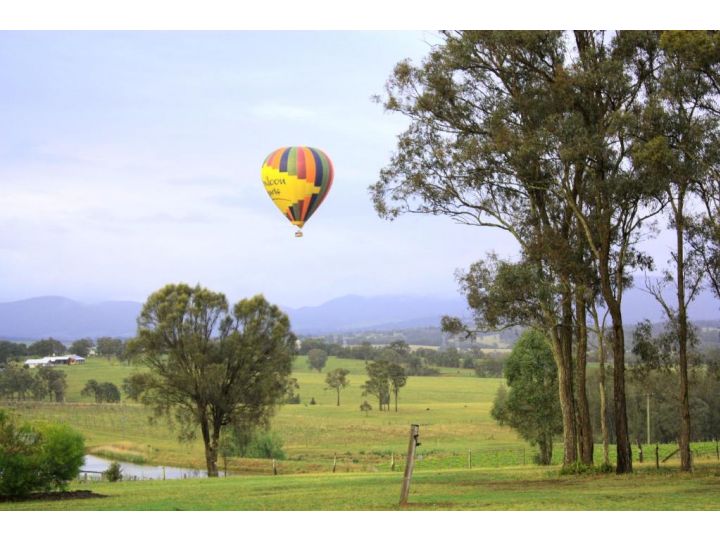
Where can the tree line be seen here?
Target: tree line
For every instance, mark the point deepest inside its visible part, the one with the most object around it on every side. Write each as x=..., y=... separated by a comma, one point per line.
x=575, y=144
x=530, y=402
x=104, y=346
x=422, y=361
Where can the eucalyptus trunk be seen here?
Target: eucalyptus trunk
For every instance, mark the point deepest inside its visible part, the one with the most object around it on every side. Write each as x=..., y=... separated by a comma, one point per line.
x=211, y=442
x=585, y=435
x=685, y=455
x=565, y=391
x=602, y=357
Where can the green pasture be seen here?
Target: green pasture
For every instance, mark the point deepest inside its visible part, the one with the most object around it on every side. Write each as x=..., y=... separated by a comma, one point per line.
x=515, y=488
x=452, y=411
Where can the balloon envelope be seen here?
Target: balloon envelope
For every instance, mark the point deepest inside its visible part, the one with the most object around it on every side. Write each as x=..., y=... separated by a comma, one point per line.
x=297, y=178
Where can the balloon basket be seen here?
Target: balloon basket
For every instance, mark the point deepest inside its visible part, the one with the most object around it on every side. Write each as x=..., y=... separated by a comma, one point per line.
x=298, y=234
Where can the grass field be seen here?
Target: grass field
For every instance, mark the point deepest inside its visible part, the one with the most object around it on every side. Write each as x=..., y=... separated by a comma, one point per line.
x=466, y=461
x=452, y=411
x=520, y=488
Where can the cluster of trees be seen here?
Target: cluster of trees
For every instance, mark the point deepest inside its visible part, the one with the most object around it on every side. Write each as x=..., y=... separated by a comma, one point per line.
x=574, y=144
x=36, y=459
x=384, y=379
x=652, y=384
x=105, y=392
x=657, y=389
x=18, y=382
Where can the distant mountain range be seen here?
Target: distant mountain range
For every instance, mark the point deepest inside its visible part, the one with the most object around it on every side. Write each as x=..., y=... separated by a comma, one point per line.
x=65, y=319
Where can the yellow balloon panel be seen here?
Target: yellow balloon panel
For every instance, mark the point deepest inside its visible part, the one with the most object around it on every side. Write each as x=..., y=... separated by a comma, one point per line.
x=297, y=179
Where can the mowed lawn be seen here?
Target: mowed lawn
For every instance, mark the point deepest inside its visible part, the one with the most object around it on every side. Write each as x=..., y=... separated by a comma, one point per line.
x=521, y=488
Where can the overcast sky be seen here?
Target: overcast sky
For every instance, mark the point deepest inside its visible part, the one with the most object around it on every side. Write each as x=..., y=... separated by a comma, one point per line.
x=131, y=160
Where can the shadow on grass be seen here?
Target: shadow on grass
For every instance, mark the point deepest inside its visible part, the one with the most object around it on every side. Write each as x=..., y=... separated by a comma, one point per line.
x=55, y=496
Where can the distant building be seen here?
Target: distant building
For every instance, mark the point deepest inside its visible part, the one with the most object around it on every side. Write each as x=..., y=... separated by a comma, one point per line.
x=55, y=361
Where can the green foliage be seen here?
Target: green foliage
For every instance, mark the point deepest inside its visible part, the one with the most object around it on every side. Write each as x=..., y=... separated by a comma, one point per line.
x=105, y=392
x=135, y=385
x=19, y=382
x=662, y=385
x=265, y=444
x=16, y=381
x=110, y=347
x=531, y=405
x=317, y=358
x=113, y=473
x=571, y=469
x=337, y=380
x=63, y=453
x=53, y=382
x=210, y=366
x=11, y=351
x=290, y=397
x=37, y=459
x=490, y=367
x=365, y=407
x=378, y=384
x=81, y=347
x=46, y=347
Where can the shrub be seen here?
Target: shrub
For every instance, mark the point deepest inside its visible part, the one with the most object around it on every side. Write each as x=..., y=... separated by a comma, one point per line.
x=265, y=444
x=62, y=455
x=113, y=472
x=37, y=459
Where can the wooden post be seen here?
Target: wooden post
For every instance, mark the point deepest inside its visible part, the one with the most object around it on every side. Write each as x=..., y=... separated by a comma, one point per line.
x=640, y=450
x=392, y=461
x=164, y=472
x=657, y=456
x=334, y=462
x=274, y=465
x=717, y=449
x=409, y=463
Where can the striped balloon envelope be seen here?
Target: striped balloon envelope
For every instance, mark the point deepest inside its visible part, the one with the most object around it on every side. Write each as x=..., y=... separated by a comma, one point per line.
x=297, y=178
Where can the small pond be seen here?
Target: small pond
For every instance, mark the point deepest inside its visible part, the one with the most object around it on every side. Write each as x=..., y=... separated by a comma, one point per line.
x=94, y=466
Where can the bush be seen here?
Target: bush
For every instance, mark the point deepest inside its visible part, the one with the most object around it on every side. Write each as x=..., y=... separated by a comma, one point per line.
x=265, y=444
x=62, y=455
x=37, y=459
x=113, y=472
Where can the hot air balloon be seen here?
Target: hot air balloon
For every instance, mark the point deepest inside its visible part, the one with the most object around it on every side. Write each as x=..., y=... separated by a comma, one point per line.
x=297, y=178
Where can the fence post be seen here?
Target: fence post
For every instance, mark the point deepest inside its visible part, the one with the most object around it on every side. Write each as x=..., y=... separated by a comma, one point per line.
x=334, y=462
x=392, y=461
x=657, y=456
x=717, y=449
x=274, y=467
x=409, y=463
